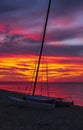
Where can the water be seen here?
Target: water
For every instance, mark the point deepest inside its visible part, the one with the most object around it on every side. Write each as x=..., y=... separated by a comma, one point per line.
x=73, y=90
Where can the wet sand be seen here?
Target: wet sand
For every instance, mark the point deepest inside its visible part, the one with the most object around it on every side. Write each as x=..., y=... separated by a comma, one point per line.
x=18, y=117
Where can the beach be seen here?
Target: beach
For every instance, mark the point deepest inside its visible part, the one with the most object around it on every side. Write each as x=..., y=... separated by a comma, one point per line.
x=18, y=117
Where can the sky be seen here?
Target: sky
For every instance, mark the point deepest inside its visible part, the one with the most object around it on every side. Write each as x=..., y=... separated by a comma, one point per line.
x=21, y=30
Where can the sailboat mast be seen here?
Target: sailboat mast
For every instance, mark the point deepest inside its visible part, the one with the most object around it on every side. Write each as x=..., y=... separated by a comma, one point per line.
x=42, y=44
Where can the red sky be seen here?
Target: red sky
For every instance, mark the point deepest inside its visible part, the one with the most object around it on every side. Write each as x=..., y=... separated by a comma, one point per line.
x=21, y=29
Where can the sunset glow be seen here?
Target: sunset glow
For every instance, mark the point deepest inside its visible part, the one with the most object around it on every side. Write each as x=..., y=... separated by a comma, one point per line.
x=21, y=68
x=21, y=29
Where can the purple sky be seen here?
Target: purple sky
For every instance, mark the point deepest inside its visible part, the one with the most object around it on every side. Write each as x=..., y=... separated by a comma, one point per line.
x=25, y=20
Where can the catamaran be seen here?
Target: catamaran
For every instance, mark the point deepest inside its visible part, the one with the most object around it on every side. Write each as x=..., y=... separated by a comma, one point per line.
x=37, y=100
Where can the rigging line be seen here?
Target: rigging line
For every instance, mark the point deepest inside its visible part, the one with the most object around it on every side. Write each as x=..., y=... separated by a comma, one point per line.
x=43, y=39
x=32, y=77
x=47, y=79
x=33, y=73
x=42, y=83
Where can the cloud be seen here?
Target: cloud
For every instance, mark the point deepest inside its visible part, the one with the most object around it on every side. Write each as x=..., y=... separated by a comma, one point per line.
x=64, y=50
x=54, y=50
x=58, y=7
x=66, y=8
x=8, y=5
x=28, y=16
x=22, y=13
x=63, y=34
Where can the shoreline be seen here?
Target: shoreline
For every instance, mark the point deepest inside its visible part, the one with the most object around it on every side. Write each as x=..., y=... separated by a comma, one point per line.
x=15, y=117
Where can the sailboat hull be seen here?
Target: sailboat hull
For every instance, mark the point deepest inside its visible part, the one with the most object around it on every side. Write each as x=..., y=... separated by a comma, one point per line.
x=32, y=103
x=41, y=102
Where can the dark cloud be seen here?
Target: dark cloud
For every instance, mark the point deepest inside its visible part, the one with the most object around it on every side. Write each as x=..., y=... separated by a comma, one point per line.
x=59, y=8
x=66, y=7
x=8, y=5
x=72, y=61
x=22, y=8
x=23, y=13
x=66, y=50
x=64, y=34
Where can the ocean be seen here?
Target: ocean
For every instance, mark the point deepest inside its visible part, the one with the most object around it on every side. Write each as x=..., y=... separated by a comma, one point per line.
x=69, y=90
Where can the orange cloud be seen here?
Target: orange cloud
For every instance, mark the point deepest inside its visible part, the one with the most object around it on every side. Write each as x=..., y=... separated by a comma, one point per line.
x=23, y=68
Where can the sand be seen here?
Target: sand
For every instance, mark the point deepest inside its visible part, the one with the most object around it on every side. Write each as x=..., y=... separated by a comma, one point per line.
x=16, y=117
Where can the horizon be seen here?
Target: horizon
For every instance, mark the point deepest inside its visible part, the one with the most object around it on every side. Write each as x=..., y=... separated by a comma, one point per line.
x=33, y=82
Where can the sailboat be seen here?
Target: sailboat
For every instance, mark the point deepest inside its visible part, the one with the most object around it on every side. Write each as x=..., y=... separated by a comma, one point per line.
x=37, y=100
